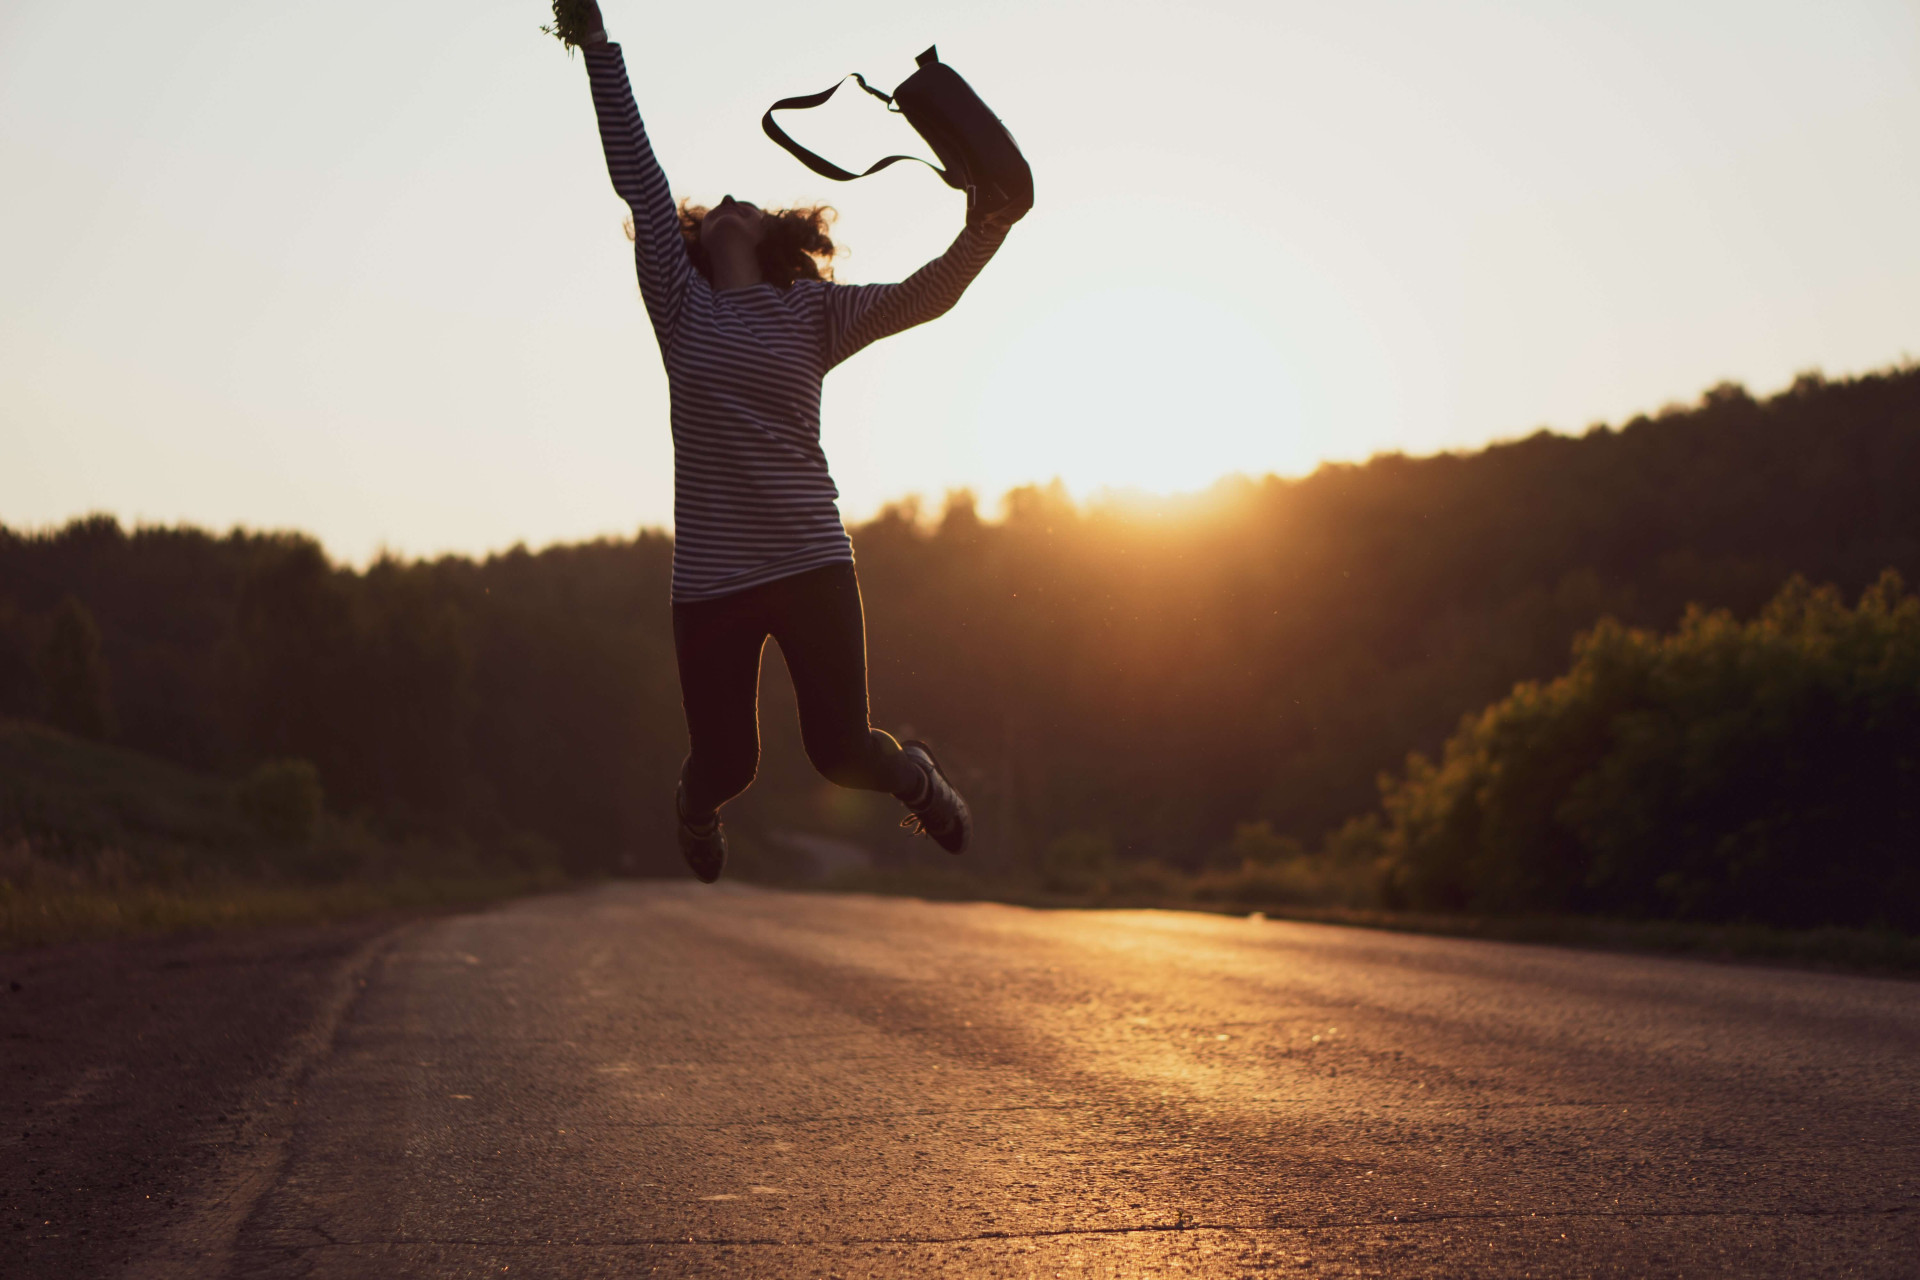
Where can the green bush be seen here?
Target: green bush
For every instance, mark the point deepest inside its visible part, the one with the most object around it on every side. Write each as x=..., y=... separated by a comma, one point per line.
x=1148, y=879
x=1255, y=844
x=283, y=799
x=1766, y=771
x=1324, y=879
x=1078, y=862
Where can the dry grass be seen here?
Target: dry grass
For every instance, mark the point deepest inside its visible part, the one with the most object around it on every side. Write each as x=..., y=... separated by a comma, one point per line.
x=97, y=841
x=43, y=902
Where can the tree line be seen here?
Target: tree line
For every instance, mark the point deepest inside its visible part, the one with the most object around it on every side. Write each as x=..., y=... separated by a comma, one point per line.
x=1157, y=675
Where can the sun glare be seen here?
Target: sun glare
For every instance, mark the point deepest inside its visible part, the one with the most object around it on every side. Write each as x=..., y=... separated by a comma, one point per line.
x=1141, y=387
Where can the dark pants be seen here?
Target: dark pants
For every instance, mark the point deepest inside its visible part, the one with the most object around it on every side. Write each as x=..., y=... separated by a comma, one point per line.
x=817, y=619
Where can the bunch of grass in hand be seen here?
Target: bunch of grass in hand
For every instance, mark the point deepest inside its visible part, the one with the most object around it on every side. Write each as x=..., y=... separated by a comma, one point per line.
x=573, y=22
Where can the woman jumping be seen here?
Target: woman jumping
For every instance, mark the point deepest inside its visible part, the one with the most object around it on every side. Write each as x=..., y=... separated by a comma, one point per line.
x=748, y=327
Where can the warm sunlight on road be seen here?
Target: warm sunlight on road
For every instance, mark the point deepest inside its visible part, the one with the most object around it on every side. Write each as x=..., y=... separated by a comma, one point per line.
x=652, y=1076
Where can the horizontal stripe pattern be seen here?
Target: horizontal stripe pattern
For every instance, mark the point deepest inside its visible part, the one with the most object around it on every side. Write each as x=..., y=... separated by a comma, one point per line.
x=753, y=498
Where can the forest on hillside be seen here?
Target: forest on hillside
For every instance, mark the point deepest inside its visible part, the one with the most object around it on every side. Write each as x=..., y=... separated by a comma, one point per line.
x=1156, y=676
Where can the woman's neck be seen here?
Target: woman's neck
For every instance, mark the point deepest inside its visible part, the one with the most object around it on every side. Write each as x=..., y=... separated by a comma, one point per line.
x=735, y=266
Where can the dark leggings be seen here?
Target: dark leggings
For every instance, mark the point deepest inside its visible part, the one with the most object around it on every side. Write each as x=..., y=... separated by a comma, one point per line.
x=817, y=619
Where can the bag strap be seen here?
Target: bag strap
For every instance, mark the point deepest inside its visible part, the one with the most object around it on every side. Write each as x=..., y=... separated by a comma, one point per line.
x=826, y=168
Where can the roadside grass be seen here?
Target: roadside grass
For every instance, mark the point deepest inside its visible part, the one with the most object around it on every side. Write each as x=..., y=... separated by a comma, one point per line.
x=98, y=841
x=33, y=916
x=1862, y=951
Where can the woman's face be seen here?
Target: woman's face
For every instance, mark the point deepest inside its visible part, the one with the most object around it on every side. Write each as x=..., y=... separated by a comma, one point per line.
x=733, y=220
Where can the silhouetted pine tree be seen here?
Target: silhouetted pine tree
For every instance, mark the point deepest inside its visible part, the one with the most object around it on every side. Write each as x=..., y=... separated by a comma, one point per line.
x=73, y=673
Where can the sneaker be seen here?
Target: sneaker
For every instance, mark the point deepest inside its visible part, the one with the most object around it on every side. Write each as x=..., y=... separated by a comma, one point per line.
x=941, y=814
x=702, y=844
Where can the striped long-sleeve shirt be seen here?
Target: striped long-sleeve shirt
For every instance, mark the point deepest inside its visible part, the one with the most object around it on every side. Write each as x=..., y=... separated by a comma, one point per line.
x=753, y=500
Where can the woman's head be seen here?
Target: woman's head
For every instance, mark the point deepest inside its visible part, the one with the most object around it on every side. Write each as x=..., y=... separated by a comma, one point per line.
x=789, y=244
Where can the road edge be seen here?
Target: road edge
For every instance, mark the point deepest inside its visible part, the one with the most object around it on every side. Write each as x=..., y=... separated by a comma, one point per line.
x=201, y=1244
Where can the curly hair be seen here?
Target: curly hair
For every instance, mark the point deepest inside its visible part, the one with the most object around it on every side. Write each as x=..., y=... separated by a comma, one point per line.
x=796, y=247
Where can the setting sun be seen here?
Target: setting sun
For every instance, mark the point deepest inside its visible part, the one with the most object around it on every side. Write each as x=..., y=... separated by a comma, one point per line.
x=1142, y=386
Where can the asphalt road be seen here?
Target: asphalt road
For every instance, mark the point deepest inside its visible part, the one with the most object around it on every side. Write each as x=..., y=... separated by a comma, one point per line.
x=676, y=1080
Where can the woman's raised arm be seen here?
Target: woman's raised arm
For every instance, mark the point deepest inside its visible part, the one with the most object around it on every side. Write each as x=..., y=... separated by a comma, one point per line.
x=659, y=251
x=862, y=313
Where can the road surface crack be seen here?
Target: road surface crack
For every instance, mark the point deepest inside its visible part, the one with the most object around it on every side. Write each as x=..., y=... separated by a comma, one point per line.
x=202, y=1240
x=1145, y=1228
x=918, y=1113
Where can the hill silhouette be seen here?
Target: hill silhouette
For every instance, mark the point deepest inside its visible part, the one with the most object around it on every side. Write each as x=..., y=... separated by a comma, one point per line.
x=1157, y=676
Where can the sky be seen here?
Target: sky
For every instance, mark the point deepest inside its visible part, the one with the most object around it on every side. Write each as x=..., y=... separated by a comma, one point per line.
x=356, y=268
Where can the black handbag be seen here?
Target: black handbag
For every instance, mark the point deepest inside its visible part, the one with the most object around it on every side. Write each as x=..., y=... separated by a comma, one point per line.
x=980, y=156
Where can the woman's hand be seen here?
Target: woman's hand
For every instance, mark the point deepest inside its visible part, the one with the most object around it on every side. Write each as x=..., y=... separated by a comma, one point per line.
x=577, y=22
x=594, y=29
x=1001, y=219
